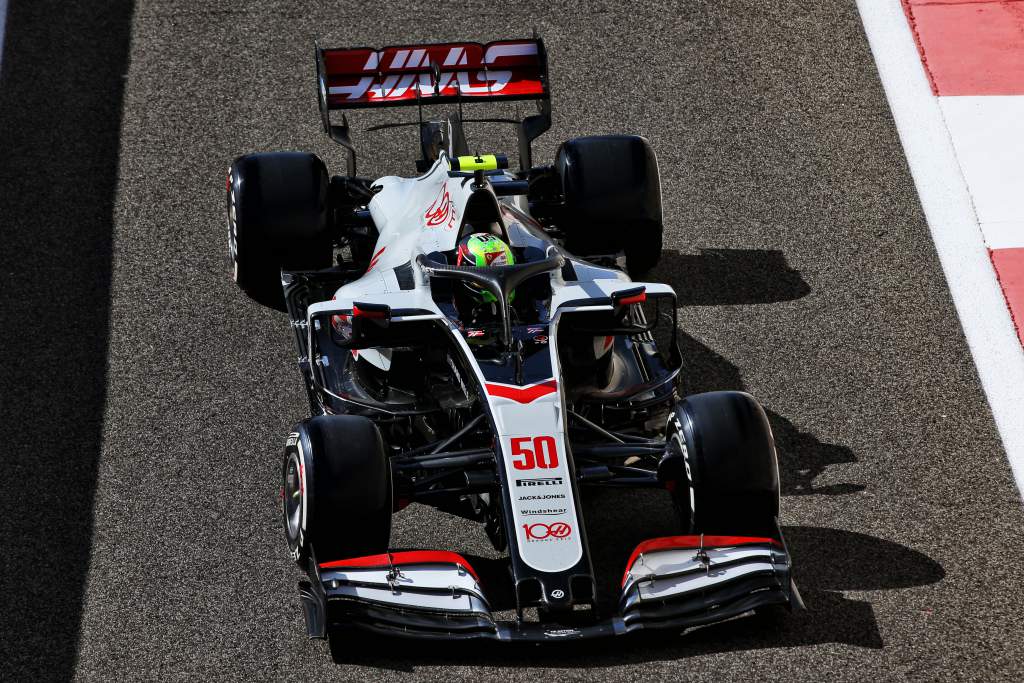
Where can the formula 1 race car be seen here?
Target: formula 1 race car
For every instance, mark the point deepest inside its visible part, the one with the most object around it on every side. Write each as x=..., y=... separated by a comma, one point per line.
x=470, y=340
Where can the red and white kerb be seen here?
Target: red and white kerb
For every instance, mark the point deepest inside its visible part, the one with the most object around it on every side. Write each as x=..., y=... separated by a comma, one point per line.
x=973, y=55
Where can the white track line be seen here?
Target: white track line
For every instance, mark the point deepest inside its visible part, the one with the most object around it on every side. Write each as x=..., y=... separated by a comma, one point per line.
x=3, y=25
x=953, y=223
x=1004, y=234
x=989, y=140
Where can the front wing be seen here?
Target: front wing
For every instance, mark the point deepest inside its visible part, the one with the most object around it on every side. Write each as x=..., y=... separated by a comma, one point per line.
x=674, y=582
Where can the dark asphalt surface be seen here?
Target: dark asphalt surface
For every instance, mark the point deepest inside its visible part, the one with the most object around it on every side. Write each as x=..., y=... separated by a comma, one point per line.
x=145, y=400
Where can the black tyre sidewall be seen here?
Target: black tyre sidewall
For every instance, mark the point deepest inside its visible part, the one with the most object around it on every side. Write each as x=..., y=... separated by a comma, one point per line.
x=348, y=494
x=298, y=544
x=682, y=485
x=732, y=464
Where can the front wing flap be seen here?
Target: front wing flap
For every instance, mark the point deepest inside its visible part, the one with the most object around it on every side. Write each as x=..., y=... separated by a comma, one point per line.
x=690, y=580
x=670, y=583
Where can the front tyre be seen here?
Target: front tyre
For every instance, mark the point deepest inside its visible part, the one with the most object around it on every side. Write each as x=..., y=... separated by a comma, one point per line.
x=337, y=490
x=727, y=474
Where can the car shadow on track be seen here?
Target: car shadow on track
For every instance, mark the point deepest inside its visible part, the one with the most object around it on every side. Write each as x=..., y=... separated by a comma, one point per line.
x=60, y=123
x=828, y=562
x=802, y=456
x=720, y=277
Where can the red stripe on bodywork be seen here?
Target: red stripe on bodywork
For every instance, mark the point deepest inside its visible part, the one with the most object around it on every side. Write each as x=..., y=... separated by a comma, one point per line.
x=376, y=257
x=403, y=558
x=1009, y=266
x=692, y=543
x=364, y=313
x=635, y=299
x=522, y=394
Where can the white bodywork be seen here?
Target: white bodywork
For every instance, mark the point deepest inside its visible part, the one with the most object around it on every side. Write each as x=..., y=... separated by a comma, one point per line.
x=424, y=215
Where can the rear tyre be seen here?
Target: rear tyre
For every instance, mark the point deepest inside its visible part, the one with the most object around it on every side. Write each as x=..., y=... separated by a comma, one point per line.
x=729, y=483
x=337, y=489
x=277, y=207
x=612, y=193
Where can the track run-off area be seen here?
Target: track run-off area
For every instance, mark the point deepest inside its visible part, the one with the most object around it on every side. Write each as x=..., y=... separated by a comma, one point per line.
x=146, y=401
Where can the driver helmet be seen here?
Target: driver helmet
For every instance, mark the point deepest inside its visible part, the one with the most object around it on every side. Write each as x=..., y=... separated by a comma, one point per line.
x=483, y=250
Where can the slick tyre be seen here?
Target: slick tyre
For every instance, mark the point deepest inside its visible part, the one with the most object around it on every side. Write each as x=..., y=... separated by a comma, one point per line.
x=337, y=490
x=277, y=206
x=728, y=478
x=612, y=193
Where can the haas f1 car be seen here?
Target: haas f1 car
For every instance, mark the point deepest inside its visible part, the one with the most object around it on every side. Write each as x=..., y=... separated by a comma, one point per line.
x=471, y=338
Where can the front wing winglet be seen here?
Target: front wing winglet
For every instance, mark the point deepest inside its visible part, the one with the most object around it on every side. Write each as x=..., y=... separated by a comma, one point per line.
x=690, y=580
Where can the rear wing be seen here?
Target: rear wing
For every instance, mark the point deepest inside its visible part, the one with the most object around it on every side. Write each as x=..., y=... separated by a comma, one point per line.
x=368, y=78
x=446, y=72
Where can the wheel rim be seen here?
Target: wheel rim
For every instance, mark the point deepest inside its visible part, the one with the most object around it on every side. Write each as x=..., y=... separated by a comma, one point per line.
x=293, y=493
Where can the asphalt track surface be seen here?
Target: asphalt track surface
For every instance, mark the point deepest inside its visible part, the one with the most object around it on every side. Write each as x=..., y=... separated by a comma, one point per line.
x=145, y=400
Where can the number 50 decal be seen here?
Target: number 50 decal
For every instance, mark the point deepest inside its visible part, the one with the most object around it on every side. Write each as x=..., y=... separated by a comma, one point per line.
x=543, y=455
